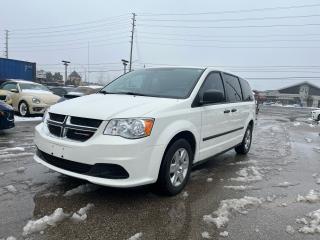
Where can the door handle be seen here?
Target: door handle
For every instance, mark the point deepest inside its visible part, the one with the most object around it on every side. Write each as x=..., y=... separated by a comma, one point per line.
x=234, y=110
x=226, y=111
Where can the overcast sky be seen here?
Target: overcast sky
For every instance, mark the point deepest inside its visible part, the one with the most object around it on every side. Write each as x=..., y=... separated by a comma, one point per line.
x=232, y=35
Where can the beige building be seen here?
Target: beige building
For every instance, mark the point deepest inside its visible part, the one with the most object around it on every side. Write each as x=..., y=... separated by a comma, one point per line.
x=305, y=94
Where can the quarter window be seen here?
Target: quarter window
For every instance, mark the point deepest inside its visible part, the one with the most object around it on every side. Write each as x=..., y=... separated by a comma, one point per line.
x=233, y=89
x=214, y=82
x=246, y=90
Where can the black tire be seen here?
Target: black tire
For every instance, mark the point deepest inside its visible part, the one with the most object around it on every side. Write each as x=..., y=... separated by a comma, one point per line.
x=244, y=146
x=164, y=183
x=22, y=113
x=319, y=118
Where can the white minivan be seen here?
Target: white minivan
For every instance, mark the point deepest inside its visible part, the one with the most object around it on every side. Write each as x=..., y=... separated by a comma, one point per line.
x=148, y=126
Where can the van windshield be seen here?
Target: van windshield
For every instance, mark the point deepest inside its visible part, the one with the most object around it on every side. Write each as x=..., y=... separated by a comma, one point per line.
x=156, y=82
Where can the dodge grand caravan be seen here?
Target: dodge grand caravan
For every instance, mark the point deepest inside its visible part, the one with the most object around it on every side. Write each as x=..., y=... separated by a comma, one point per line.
x=148, y=126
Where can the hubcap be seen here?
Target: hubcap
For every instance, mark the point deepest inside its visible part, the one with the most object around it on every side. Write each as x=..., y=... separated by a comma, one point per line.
x=23, y=109
x=179, y=167
x=247, y=139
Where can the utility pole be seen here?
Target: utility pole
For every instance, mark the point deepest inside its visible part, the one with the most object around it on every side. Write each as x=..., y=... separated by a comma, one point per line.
x=125, y=63
x=7, y=44
x=88, y=67
x=131, y=42
x=65, y=63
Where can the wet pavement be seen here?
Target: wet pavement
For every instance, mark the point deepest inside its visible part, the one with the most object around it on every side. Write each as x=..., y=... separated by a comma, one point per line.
x=282, y=164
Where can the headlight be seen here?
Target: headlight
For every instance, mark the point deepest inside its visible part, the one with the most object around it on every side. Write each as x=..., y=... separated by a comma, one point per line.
x=8, y=98
x=131, y=128
x=35, y=100
x=45, y=116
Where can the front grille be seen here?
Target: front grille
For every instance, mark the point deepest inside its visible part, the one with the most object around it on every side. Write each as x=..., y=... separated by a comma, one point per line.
x=85, y=122
x=2, y=97
x=57, y=117
x=102, y=170
x=55, y=130
x=79, y=135
x=73, y=128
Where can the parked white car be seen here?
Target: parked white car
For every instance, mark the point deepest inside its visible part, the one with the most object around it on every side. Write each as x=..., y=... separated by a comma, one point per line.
x=316, y=115
x=148, y=126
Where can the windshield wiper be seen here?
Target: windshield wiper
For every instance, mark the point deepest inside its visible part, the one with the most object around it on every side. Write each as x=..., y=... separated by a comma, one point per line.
x=131, y=93
x=105, y=92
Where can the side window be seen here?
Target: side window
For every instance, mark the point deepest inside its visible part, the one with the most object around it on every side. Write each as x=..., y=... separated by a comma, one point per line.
x=233, y=89
x=9, y=86
x=213, y=81
x=246, y=90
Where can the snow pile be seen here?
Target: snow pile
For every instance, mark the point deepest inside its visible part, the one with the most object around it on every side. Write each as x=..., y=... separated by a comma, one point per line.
x=81, y=215
x=11, y=188
x=314, y=225
x=296, y=124
x=81, y=189
x=285, y=184
x=308, y=140
x=224, y=234
x=10, y=238
x=205, y=235
x=271, y=198
x=137, y=236
x=248, y=174
x=41, y=224
x=209, y=179
x=290, y=230
x=227, y=207
x=27, y=119
x=239, y=188
x=312, y=197
x=14, y=155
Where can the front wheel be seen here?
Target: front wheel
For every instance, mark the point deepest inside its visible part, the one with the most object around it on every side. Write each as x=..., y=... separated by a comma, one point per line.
x=245, y=145
x=175, y=168
x=24, y=109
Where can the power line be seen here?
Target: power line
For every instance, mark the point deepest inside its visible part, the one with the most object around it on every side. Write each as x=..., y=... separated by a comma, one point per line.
x=71, y=25
x=230, y=47
x=282, y=78
x=240, y=26
x=233, y=11
x=228, y=19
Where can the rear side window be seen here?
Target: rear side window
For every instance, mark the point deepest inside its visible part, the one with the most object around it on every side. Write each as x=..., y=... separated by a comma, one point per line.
x=246, y=90
x=212, y=82
x=233, y=89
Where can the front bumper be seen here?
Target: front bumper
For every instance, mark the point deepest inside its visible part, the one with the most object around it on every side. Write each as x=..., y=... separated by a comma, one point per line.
x=139, y=159
x=38, y=108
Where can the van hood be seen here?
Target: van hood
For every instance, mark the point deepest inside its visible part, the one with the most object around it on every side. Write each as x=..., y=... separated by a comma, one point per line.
x=105, y=107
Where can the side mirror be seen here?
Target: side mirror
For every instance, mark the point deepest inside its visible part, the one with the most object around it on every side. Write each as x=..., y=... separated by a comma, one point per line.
x=14, y=90
x=212, y=96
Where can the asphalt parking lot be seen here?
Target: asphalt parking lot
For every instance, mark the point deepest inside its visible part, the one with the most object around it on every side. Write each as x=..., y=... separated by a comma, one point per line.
x=263, y=195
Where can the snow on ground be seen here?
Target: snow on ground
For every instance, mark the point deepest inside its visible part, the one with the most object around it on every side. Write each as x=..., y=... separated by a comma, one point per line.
x=185, y=194
x=21, y=169
x=26, y=119
x=244, y=162
x=239, y=188
x=11, y=189
x=285, y=184
x=230, y=206
x=81, y=215
x=290, y=230
x=248, y=174
x=312, y=197
x=15, y=155
x=205, y=235
x=224, y=234
x=137, y=236
x=209, y=179
x=41, y=224
x=81, y=189
x=296, y=124
x=20, y=149
x=314, y=225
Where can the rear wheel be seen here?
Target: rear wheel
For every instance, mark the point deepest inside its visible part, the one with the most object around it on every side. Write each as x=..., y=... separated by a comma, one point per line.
x=24, y=109
x=319, y=118
x=175, y=168
x=245, y=145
